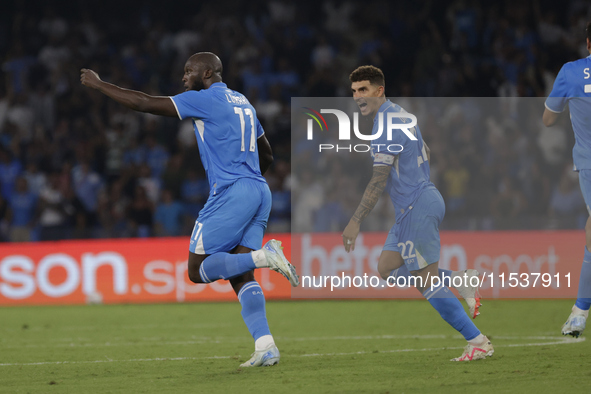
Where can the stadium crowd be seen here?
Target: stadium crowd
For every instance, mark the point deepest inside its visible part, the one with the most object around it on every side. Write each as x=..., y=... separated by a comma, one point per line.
x=74, y=164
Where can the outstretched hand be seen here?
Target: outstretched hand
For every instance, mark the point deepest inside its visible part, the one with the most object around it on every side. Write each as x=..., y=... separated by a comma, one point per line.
x=89, y=78
x=350, y=235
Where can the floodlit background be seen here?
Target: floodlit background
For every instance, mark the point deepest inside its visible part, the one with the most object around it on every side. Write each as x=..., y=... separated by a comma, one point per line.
x=116, y=173
x=104, y=181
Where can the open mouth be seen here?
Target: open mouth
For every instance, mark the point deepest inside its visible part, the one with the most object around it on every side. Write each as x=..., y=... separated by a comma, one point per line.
x=362, y=105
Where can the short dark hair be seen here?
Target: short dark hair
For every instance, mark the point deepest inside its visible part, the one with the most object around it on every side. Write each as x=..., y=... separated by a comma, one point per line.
x=374, y=75
x=589, y=30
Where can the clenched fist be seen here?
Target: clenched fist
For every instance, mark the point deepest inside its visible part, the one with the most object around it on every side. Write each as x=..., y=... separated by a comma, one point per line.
x=89, y=78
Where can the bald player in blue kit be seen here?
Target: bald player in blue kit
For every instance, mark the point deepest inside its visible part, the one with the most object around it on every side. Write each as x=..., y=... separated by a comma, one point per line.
x=573, y=87
x=226, y=242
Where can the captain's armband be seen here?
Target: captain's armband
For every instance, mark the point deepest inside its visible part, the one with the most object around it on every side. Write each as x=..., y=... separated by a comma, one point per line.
x=383, y=159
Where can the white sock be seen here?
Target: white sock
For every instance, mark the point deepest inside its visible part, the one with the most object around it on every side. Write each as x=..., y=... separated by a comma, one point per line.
x=478, y=340
x=579, y=311
x=263, y=342
x=259, y=258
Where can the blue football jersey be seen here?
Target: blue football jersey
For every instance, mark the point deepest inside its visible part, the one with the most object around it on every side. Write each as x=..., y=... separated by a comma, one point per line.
x=573, y=86
x=227, y=129
x=410, y=172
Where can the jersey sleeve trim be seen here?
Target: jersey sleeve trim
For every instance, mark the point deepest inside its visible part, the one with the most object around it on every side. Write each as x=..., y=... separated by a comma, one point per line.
x=552, y=110
x=175, y=107
x=261, y=135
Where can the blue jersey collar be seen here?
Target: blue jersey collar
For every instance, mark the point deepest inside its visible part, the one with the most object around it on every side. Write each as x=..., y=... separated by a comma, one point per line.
x=218, y=85
x=387, y=104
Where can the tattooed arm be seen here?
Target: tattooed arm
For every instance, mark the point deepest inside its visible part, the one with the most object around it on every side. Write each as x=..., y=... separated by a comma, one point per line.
x=372, y=193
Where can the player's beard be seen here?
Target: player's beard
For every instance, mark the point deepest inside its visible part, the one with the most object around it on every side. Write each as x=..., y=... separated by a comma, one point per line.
x=198, y=85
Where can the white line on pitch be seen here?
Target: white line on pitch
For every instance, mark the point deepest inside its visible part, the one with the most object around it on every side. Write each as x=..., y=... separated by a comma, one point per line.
x=125, y=327
x=362, y=337
x=562, y=341
x=156, y=341
x=112, y=344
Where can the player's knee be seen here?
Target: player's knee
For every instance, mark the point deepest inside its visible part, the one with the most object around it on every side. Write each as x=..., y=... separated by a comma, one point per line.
x=388, y=262
x=194, y=275
x=194, y=264
x=588, y=234
x=384, y=271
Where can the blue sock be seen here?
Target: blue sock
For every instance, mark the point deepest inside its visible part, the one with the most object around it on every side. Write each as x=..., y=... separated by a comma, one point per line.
x=225, y=266
x=584, y=294
x=403, y=272
x=253, y=309
x=445, y=276
x=451, y=310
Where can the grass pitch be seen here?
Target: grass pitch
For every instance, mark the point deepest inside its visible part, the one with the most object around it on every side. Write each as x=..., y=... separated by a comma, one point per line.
x=326, y=347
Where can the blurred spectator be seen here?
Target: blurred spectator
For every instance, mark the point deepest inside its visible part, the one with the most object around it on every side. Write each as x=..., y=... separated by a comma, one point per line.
x=53, y=210
x=173, y=175
x=17, y=66
x=112, y=211
x=54, y=54
x=22, y=117
x=509, y=202
x=537, y=189
x=194, y=193
x=156, y=156
x=323, y=54
x=309, y=198
x=42, y=103
x=87, y=185
x=135, y=154
x=456, y=179
x=141, y=214
x=21, y=214
x=168, y=216
x=10, y=169
x=280, y=216
x=119, y=151
x=149, y=183
x=332, y=215
x=4, y=222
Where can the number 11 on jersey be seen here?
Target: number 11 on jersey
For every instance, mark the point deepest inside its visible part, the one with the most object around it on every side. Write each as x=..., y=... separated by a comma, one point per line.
x=241, y=113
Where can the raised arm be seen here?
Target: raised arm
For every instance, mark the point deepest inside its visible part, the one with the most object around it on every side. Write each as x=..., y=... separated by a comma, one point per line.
x=372, y=194
x=265, y=154
x=138, y=101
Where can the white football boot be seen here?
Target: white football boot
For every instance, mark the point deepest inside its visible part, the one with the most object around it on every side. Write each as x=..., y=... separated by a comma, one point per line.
x=476, y=352
x=575, y=324
x=277, y=262
x=468, y=292
x=263, y=358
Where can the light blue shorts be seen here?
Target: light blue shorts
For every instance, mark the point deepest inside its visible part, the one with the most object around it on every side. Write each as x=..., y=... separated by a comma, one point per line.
x=585, y=184
x=237, y=215
x=416, y=234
